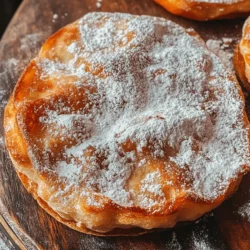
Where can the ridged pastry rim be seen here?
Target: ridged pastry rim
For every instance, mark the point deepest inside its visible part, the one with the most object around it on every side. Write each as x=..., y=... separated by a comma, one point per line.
x=205, y=10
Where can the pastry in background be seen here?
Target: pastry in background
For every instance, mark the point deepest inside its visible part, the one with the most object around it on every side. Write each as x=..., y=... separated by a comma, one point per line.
x=203, y=10
x=123, y=124
x=242, y=57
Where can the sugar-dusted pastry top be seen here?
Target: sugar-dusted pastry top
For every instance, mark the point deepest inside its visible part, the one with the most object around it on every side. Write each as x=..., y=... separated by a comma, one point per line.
x=126, y=121
x=203, y=10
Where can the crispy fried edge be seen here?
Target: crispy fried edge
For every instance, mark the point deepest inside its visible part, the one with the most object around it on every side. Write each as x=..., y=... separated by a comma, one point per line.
x=204, y=11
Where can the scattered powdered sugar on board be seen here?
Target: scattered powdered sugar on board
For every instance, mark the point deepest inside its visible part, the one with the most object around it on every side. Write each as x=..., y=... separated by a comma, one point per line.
x=145, y=89
x=5, y=244
x=99, y=3
x=1, y=142
x=223, y=48
x=11, y=63
x=30, y=41
x=64, y=15
x=204, y=235
x=200, y=242
x=3, y=94
x=174, y=244
x=244, y=211
x=54, y=17
x=9, y=70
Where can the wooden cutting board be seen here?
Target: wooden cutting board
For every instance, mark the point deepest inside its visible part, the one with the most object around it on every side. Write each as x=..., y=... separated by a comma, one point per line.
x=23, y=224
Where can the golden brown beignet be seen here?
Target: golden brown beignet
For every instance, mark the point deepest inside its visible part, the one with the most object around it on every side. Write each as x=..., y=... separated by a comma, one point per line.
x=242, y=57
x=203, y=10
x=125, y=122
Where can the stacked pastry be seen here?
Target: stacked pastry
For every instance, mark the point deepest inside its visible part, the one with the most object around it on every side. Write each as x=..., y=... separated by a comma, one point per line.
x=242, y=57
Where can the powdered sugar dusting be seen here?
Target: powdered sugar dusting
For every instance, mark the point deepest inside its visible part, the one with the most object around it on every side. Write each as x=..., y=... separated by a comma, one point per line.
x=30, y=41
x=72, y=48
x=141, y=88
x=201, y=243
x=6, y=246
x=99, y=3
x=9, y=71
x=3, y=94
x=1, y=142
x=54, y=17
x=223, y=49
x=244, y=211
x=174, y=244
x=150, y=185
x=69, y=171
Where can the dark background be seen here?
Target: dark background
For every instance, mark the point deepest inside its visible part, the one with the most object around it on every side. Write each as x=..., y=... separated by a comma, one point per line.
x=7, y=9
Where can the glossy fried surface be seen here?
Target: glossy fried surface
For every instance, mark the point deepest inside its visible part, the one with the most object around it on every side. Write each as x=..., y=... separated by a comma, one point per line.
x=242, y=55
x=203, y=10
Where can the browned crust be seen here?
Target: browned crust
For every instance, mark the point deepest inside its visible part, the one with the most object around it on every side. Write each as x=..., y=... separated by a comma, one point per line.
x=206, y=11
x=16, y=143
x=32, y=188
x=239, y=66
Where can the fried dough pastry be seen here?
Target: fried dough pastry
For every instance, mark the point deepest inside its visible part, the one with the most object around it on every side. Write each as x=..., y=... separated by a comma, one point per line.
x=203, y=10
x=126, y=123
x=242, y=57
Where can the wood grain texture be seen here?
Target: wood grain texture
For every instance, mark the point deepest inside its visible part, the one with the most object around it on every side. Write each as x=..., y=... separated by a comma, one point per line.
x=5, y=242
x=26, y=223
